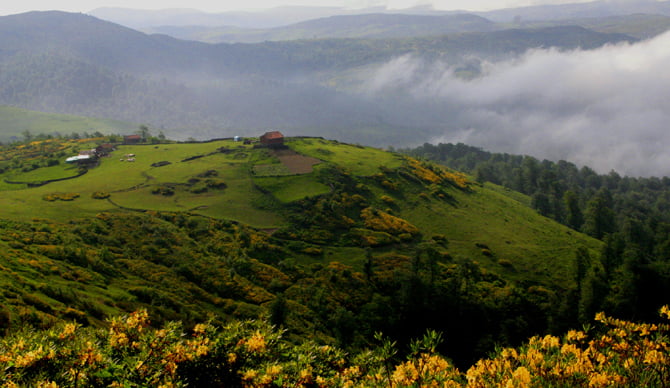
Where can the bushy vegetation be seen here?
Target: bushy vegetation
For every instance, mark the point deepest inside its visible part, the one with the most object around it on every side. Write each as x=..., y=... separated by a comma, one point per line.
x=396, y=248
x=61, y=197
x=630, y=215
x=129, y=352
x=100, y=195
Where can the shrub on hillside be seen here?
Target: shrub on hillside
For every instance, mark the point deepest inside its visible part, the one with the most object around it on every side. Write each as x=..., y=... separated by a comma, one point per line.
x=383, y=222
x=254, y=354
x=60, y=197
x=371, y=238
x=163, y=190
x=216, y=184
x=100, y=195
x=388, y=200
x=313, y=251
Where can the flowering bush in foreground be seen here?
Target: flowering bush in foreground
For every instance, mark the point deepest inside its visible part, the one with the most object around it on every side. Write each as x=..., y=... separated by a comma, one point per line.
x=252, y=354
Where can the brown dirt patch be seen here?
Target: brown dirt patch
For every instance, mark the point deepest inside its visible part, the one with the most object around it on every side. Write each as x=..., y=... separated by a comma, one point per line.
x=296, y=163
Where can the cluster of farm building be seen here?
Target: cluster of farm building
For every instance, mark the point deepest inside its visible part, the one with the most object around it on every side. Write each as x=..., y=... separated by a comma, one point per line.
x=92, y=155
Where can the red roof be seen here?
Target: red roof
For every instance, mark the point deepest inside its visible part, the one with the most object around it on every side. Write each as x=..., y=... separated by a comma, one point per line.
x=273, y=135
x=132, y=137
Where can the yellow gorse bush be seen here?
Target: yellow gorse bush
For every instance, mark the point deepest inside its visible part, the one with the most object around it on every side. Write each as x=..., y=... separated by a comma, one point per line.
x=253, y=354
x=381, y=221
x=433, y=174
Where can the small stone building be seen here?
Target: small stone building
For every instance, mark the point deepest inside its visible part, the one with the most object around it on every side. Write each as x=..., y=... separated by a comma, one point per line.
x=132, y=139
x=272, y=138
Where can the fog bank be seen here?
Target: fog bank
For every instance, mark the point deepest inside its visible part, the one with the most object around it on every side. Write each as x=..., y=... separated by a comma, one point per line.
x=607, y=108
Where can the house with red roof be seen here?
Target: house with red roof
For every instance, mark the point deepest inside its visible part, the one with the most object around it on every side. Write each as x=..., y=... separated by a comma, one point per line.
x=272, y=138
x=132, y=139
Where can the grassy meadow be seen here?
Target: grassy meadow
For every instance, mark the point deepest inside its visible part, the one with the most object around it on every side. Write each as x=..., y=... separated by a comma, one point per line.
x=359, y=241
x=130, y=184
x=362, y=161
x=14, y=122
x=221, y=179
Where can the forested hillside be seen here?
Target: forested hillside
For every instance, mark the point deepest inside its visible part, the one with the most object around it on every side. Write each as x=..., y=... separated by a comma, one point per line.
x=631, y=215
x=262, y=259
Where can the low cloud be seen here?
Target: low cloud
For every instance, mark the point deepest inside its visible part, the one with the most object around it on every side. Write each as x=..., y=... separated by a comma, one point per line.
x=607, y=108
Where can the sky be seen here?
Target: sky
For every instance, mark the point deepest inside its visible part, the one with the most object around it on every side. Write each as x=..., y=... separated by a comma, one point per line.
x=12, y=7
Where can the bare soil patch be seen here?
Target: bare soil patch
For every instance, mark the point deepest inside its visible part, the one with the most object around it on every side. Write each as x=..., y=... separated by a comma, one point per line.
x=296, y=163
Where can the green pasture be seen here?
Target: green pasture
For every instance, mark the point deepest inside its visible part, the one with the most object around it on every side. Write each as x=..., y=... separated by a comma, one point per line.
x=60, y=171
x=361, y=161
x=511, y=230
x=271, y=170
x=27, y=204
x=487, y=215
x=15, y=121
x=292, y=188
x=11, y=186
x=131, y=183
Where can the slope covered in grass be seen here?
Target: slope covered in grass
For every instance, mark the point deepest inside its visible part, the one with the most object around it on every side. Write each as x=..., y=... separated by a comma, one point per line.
x=14, y=122
x=218, y=179
x=362, y=241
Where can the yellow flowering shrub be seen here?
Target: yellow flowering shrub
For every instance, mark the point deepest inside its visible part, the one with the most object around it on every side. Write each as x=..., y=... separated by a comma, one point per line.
x=430, y=173
x=383, y=222
x=253, y=354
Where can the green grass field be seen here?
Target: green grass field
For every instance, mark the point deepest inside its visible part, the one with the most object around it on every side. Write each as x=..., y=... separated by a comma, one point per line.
x=60, y=171
x=518, y=240
x=130, y=184
x=292, y=188
x=512, y=231
x=15, y=121
x=147, y=258
x=361, y=161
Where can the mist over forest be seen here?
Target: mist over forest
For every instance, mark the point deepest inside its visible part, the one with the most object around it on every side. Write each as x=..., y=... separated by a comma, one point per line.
x=605, y=108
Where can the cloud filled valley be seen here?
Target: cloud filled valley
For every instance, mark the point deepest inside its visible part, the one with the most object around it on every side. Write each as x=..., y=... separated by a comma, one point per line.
x=606, y=108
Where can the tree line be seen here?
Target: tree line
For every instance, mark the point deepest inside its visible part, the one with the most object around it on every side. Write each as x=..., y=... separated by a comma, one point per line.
x=631, y=215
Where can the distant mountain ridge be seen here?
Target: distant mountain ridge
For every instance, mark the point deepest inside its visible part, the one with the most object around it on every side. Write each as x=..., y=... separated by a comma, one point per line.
x=284, y=16
x=275, y=17
x=594, y=9
x=371, y=25
x=77, y=64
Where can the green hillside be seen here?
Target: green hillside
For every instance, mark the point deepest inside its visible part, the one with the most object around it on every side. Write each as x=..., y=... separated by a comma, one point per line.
x=14, y=122
x=230, y=181
x=331, y=240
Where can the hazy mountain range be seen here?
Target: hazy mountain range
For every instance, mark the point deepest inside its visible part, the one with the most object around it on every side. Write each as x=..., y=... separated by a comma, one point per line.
x=284, y=16
x=379, y=79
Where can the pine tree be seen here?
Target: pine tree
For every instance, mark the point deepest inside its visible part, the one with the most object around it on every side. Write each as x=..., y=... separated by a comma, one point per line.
x=599, y=217
x=574, y=217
